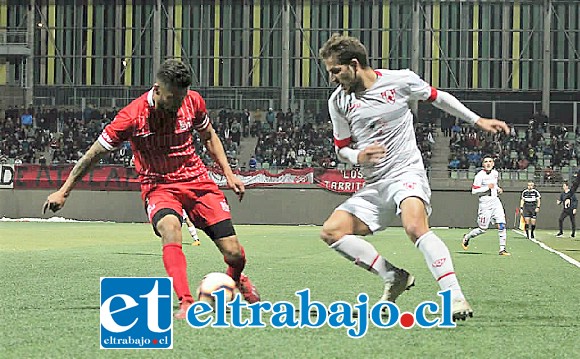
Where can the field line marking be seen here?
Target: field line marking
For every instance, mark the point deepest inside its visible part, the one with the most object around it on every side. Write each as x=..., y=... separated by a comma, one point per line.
x=550, y=249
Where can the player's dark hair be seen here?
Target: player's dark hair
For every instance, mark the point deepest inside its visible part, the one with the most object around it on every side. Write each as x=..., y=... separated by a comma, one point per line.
x=344, y=49
x=174, y=72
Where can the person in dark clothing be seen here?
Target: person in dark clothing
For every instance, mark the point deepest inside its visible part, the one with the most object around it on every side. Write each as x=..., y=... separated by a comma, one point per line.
x=569, y=204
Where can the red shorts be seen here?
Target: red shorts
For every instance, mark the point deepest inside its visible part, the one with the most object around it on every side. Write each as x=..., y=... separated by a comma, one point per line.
x=203, y=201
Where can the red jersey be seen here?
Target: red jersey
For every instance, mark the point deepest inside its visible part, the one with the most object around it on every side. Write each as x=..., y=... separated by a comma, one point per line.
x=163, y=148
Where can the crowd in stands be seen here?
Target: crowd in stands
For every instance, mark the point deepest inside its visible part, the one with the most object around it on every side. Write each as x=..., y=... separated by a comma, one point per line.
x=284, y=140
x=539, y=146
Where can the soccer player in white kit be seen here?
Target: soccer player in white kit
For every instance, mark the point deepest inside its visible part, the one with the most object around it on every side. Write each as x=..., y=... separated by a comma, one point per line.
x=373, y=127
x=490, y=207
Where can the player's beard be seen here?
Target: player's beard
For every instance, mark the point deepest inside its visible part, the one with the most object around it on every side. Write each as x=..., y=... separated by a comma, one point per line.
x=355, y=85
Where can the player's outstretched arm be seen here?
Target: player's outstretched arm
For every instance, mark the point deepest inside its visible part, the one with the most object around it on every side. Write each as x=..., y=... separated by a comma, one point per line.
x=450, y=104
x=56, y=200
x=215, y=148
x=492, y=125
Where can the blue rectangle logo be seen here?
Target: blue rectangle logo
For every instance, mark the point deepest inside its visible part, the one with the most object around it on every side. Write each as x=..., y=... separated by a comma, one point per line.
x=136, y=313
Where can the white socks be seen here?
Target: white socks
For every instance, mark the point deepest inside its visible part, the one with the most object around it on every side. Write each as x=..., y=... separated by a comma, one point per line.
x=193, y=233
x=475, y=232
x=502, y=239
x=364, y=255
x=439, y=262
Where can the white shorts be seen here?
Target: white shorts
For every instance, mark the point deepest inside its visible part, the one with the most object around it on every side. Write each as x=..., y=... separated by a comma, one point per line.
x=378, y=203
x=490, y=213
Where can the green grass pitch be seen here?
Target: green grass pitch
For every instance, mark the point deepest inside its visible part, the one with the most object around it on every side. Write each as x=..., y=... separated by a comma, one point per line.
x=526, y=305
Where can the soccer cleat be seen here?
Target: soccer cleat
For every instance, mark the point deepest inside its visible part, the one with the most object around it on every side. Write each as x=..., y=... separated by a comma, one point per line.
x=465, y=242
x=247, y=289
x=559, y=235
x=403, y=281
x=532, y=237
x=504, y=253
x=572, y=235
x=182, y=312
x=196, y=242
x=461, y=309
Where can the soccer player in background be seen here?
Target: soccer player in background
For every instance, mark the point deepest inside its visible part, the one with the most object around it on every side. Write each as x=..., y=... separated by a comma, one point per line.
x=485, y=186
x=173, y=178
x=373, y=127
x=569, y=204
x=191, y=229
x=529, y=208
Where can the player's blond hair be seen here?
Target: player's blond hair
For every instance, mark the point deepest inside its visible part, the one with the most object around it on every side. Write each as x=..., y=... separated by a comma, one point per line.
x=343, y=49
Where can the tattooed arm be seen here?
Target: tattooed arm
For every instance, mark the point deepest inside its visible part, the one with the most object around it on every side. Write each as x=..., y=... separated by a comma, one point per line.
x=56, y=200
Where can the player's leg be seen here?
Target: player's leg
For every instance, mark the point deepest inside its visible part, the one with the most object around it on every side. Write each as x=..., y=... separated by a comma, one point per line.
x=212, y=215
x=225, y=238
x=498, y=216
x=573, y=223
x=563, y=215
x=533, y=225
x=191, y=229
x=435, y=252
x=527, y=224
x=342, y=231
x=164, y=211
x=483, y=218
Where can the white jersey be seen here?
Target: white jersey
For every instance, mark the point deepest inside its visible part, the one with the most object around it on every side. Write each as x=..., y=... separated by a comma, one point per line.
x=480, y=187
x=382, y=114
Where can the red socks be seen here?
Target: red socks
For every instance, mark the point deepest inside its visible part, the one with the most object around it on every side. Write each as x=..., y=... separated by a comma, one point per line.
x=236, y=266
x=176, y=267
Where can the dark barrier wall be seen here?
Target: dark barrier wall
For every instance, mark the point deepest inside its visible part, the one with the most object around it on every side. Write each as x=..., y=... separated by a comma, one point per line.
x=271, y=205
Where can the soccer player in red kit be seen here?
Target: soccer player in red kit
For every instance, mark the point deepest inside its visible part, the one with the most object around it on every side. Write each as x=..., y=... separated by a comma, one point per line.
x=173, y=178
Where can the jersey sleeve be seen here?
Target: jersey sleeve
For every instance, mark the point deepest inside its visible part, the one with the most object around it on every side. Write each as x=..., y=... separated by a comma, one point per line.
x=201, y=119
x=118, y=131
x=340, y=127
x=419, y=89
x=477, y=186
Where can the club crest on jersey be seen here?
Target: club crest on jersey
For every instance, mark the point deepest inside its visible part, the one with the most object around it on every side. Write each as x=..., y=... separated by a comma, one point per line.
x=354, y=105
x=184, y=125
x=389, y=96
x=225, y=206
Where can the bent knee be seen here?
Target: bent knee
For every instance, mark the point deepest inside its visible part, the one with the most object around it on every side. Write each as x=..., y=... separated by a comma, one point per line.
x=169, y=227
x=331, y=233
x=415, y=230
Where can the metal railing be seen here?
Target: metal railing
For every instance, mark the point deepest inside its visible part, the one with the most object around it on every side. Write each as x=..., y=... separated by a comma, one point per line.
x=13, y=37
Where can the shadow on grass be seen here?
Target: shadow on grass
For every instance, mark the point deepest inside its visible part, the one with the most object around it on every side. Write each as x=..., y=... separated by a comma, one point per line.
x=139, y=254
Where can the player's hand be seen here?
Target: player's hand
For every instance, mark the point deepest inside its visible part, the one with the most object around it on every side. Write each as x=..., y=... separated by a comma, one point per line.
x=499, y=190
x=55, y=201
x=574, y=211
x=537, y=209
x=491, y=185
x=372, y=154
x=237, y=186
x=492, y=125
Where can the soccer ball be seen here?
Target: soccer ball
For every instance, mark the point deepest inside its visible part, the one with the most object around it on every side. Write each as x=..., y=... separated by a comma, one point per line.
x=216, y=281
